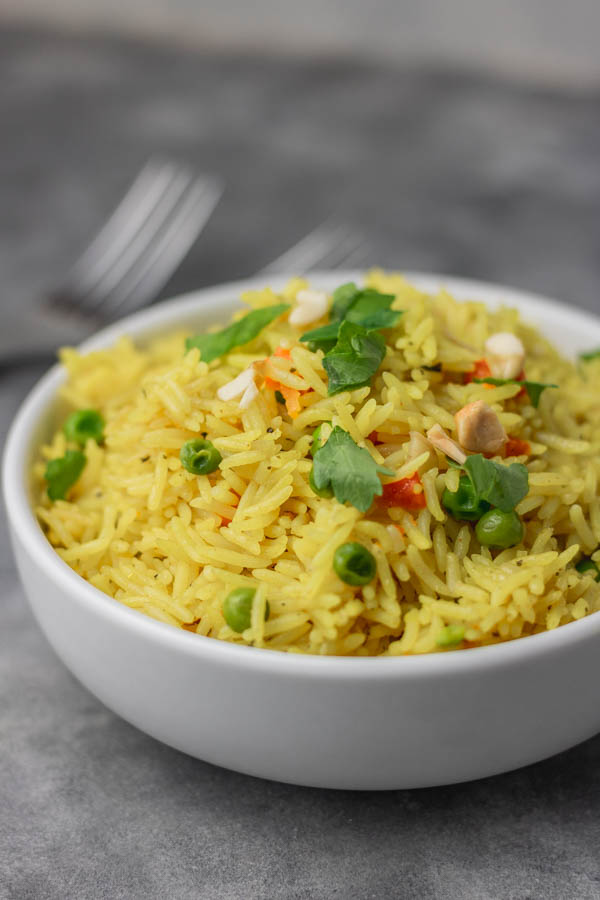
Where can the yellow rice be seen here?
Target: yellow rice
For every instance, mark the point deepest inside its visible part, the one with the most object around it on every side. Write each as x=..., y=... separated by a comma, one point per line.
x=171, y=544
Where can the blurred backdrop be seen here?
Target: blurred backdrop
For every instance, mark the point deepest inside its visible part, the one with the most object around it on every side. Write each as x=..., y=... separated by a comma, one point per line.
x=458, y=137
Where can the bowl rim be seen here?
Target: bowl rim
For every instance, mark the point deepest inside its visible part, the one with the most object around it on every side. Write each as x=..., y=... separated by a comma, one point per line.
x=26, y=529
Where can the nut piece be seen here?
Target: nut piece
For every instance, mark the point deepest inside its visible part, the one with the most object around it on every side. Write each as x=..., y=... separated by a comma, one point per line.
x=243, y=385
x=417, y=444
x=438, y=438
x=479, y=429
x=310, y=306
x=505, y=354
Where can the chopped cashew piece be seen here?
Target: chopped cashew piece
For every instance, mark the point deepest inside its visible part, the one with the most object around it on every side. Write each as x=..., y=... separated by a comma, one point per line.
x=479, y=429
x=243, y=385
x=310, y=306
x=416, y=445
x=248, y=395
x=438, y=438
x=505, y=354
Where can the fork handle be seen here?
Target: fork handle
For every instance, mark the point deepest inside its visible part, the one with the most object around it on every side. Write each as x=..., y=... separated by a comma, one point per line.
x=35, y=336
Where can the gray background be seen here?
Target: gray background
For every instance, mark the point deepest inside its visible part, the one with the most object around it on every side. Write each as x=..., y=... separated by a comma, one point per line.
x=445, y=170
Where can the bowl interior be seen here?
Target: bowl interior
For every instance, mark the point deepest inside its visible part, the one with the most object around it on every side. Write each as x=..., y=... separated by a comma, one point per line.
x=571, y=330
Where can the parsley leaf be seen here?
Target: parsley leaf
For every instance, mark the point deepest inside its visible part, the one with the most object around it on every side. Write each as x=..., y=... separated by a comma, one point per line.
x=323, y=338
x=342, y=297
x=349, y=470
x=354, y=359
x=366, y=307
x=371, y=309
x=502, y=486
x=235, y=335
x=533, y=388
x=591, y=354
x=62, y=473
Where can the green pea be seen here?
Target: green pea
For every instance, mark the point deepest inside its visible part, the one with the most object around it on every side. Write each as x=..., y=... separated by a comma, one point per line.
x=324, y=492
x=354, y=564
x=199, y=457
x=587, y=565
x=83, y=424
x=499, y=529
x=464, y=504
x=62, y=473
x=237, y=608
x=320, y=437
x=450, y=636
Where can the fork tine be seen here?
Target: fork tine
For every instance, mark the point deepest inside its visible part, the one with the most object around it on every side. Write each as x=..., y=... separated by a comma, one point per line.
x=93, y=291
x=311, y=250
x=152, y=268
x=341, y=253
x=143, y=195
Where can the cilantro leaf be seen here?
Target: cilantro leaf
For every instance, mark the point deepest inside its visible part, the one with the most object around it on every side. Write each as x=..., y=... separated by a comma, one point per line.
x=365, y=307
x=533, y=388
x=591, y=354
x=323, y=338
x=372, y=310
x=343, y=297
x=502, y=486
x=354, y=359
x=349, y=470
x=235, y=335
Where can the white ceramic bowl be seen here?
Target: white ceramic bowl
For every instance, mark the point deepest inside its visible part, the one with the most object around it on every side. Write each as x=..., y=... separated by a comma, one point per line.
x=328, y=722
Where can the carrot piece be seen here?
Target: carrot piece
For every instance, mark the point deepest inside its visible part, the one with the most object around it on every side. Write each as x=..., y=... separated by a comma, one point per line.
x=480, y=369
x=292, y=400
x=283, y=352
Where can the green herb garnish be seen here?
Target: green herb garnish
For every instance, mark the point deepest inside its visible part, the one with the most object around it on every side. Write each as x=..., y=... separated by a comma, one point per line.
x=366, y=307
x=349, y=470
x=355, y=358
x=591, y=354
x=533, y=388
x=241, y=332
x=502, y=486
x=62, y=473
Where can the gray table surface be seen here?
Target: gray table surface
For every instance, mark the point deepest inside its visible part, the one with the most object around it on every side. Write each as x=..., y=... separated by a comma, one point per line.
x=445, y=172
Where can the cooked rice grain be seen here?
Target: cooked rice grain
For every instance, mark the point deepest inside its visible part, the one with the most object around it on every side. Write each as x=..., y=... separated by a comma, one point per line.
x=172, y=545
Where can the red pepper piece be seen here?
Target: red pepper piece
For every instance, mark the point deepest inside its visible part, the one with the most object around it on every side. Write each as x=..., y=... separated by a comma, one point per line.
x=406, y=493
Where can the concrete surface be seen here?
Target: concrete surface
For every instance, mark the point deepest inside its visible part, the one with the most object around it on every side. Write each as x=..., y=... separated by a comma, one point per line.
x=444, y=172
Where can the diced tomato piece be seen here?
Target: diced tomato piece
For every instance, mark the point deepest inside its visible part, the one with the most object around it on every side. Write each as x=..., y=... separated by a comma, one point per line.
x=517, y=447
x=406, y=493
x=480, y=369
x=283, y=352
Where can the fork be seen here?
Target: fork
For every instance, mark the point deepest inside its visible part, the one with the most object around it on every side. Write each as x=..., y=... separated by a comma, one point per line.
x=124, y=267
x=331, y=245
